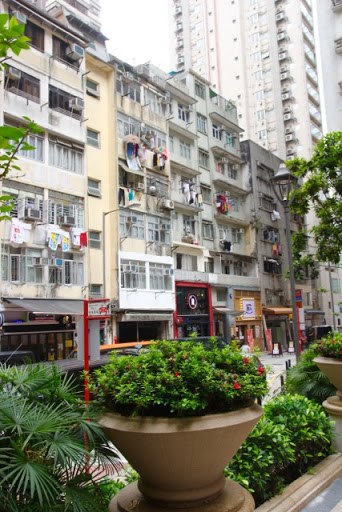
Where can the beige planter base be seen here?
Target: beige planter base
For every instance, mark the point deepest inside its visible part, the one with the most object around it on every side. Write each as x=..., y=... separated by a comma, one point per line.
x=333, y=406
x=233, y=498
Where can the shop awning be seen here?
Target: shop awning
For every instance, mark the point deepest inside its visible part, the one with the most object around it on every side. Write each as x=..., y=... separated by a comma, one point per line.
x=149, y=316
x=227, y=311
x=49, y=306
x=277, y=311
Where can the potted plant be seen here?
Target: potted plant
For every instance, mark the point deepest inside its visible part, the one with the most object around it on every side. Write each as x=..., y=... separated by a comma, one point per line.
x=179, y=413
x=329, y=360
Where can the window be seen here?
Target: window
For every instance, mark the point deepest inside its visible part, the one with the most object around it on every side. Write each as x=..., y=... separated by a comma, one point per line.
x=127, y=126
x=271, y=235
x=183, y=113
x=189, y=225
x=256, y=56
x=257, y=75
x=209, y=266
x=58, y=209
x=203, y=158
x=37, y=153
x=65, y=103
x=266, y=202
x=254, y=37
x=96, y=291
x=132, y=90
x=253, y=19
x=94, y=240
x=60, y=51
x=92, y=88
x=185, y=149
x=217, y=132
x=132, y=225
x=160, y=276
x=206, y=194
x=232, y=171
x=262, y=135
x=133, y=274
x=260, y=115
x=22, y=84
x=259, y=95
x=208, y=230
x=234, y=202
x=201, y=123
x=238, y=235
x=272, y=266
x=221, y=294
x=66, y=155
x=159, y=230
x=36, y=35
x=186, y=262
x=94, y=187
x=199, y=90
x=93, y=138
x=335, y=285
x=70, y=272
x=153, y=101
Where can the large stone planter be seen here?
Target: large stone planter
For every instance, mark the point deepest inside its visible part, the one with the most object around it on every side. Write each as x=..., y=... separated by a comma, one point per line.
x=180, y=461
x=332, y=368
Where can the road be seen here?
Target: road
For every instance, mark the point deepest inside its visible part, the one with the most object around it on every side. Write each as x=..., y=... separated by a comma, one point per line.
x=277, y=365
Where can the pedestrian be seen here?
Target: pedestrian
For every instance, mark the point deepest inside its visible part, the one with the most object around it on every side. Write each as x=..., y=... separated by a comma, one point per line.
x=245, y=348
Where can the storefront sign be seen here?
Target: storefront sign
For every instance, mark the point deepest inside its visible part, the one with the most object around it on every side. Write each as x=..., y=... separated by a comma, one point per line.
x=291, y=347
x=191, y=301
x=299, y=299
x=99, y=308
x=276, y=349
x=248, y=308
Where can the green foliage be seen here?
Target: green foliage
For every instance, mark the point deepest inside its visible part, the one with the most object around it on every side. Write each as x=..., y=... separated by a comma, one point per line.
x=293, y=435
x=45, y=464
x=331, y=346
x=11, y=37
x=322, y=189
x=179, y=379
x=305, y=378
x=112, y=486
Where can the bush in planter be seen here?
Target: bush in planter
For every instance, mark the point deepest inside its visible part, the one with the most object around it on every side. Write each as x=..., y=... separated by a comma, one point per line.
x=305, y=378
x=331, y=346
x=178, y=380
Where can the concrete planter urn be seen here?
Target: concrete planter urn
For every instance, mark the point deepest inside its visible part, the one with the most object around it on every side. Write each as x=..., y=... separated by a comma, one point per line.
x=332, y=368
x=180, y=461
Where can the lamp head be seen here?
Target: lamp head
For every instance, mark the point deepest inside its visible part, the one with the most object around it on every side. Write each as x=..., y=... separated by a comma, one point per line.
x=283, y=183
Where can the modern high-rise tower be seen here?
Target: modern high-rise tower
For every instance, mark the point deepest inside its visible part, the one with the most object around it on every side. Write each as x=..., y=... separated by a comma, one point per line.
x=261, y=54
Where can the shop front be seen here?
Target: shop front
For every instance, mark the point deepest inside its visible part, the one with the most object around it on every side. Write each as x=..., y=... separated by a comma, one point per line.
x=248, y=325
x=193, y=313
x=143, y=326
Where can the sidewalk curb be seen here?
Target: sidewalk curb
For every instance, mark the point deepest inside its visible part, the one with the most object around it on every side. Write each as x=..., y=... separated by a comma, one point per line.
x=303, y=490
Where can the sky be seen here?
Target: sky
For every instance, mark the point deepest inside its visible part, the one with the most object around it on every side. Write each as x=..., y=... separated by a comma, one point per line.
x=137, y=31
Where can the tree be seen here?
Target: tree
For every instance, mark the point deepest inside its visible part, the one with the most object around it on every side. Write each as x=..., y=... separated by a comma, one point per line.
x=321, y=190
x=12, y=139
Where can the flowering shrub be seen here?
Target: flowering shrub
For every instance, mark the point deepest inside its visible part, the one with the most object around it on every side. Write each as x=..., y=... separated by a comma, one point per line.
x=178, y=379
x=331, y=346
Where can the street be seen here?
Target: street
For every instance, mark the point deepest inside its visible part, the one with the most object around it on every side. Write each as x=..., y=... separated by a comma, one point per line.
x=277, y=365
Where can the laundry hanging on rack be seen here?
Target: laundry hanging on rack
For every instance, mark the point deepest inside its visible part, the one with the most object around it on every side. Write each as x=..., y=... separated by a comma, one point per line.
x=132, y=157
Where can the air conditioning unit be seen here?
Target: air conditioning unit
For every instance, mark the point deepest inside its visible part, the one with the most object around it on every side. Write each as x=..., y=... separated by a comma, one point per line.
x=288, y=130
x=133, y=219
x=189, y=108
x=32, y=214
x=286, y=96
x=92, y=191
x=222, y=128
x=179, y=44
x=132, y=268
x=40, y=262
x=168, y=271
x=13, y=73
x=168, y=204
x=287, y=117
x=55, y=262
x=143, y=129
x=290, y=152
x=284, y=76
x=289, y=137
x=281, y=36
x=21, y=18
x=180, y=60
x=178, y=10
x=282, y=49
x=76, y=104
x=66, y=220
x=140, y=186
x=287, y=109
x=280, y=16
x=282, y=56
x=235, y=167
x=165, y=100
x=224, y=160
x=127, y=77
x=283, y=69
x=179, y=26
x=75, y=52
x=165, y=226
x=241, y=231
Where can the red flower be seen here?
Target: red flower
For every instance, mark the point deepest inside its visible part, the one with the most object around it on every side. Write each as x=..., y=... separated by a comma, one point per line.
x=237, y=386
x=177, y=374
x=340, y=351
x=246, y=360
x=261, y=370
x=334, y=341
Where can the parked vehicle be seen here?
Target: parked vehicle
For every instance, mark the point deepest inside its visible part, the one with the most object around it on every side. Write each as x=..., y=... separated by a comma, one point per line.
x=17, y=358
x=317, y=332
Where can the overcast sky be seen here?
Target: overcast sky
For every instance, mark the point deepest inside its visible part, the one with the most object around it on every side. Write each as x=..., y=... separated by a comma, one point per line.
x=137, y=31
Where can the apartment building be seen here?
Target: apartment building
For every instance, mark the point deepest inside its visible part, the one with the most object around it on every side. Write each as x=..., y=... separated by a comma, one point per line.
x=261, y=54
x=43, y=264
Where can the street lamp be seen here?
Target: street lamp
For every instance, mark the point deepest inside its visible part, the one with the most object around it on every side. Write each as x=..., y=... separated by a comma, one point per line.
x=284, y=183
x=129, y=206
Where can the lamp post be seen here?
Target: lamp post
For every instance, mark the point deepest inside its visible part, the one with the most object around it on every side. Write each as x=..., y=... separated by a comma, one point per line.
x=129, y=206
x=284, y=183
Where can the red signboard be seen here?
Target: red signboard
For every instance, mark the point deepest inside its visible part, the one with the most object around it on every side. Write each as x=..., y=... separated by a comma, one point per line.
x=269, y=339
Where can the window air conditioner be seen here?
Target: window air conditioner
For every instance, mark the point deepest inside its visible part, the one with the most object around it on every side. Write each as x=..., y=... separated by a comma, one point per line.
x=282, y=56
x=143, y=129
x=166, y=226
x=287, y=117
x=289, y=137
x=55, y=262
x=283, y=69
x=165, y=100
x=280, y=16
x=32, y=214
x=40, y=262
x=76, y=104
x=141, y=186
x=168, y=271
x=235, y=167
x=285, y=89
x=284, y=76
x=224, y=160
x=66, y=220
x=288, y=130
x=92, y=191
x=21, y=18
x=285, y=96
x=281, y=36
x=222, y=128
x=127, y=77
x=178, y=10
x=168, y=204
x=132, y=219
x=13, y=73
x=75, y=52
x=287, y=109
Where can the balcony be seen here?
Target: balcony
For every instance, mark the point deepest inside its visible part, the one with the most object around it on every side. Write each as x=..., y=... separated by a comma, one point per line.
x=222, y=110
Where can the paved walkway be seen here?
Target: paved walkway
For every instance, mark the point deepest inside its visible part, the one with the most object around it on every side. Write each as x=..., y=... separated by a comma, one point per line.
x=329, y=500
